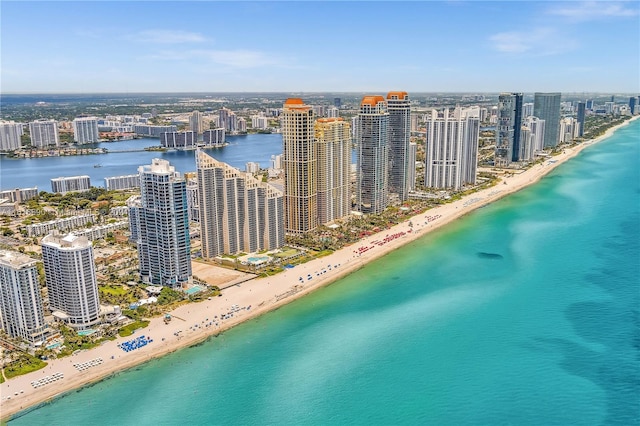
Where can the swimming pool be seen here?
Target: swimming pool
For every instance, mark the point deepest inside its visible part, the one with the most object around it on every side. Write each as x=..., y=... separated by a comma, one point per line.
x=195, y=289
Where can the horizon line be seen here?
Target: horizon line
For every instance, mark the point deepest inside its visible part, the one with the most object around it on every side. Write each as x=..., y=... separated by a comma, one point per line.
x=302, y=91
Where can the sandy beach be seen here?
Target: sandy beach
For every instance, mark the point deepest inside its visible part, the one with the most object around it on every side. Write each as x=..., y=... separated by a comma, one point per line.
x=193, y=323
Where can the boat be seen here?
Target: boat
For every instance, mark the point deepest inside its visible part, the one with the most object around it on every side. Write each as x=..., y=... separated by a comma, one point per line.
x=97, y=165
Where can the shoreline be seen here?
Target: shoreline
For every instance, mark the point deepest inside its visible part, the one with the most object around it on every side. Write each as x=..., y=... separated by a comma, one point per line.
x=196, y=322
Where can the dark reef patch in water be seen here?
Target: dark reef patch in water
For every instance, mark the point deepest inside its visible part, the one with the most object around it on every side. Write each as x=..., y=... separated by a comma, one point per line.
x=485, y=255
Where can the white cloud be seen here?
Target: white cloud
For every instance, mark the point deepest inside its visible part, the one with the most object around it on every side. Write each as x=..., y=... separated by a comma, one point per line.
x=538, y=42
x=239, y=58
x=510, y=42
x=236, y=58
x=167, y=37
x=592, y=10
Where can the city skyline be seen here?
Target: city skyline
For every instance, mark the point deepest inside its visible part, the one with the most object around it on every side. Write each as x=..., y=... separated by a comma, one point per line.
x=256, y=46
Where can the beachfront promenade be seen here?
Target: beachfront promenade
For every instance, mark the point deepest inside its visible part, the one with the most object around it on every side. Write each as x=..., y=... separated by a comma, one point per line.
x=253, y=298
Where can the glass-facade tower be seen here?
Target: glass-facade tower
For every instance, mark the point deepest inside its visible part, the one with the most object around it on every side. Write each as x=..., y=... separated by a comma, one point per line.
x=399, y=108
x=164, y=247
x=373, y=155
x=546, y=106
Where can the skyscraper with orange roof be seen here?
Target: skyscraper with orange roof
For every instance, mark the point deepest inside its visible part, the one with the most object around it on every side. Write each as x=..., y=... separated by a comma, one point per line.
x=399, y=107
x=300, y=168
x=373, y=156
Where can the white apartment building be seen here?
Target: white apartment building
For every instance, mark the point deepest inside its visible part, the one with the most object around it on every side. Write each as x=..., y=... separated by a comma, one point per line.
x=66, y=224
x=276, y=162
x=85, y=130
x=192, y=200
x=19, y=195
x=10, y=135
x=122, y=182
x=44, y=133
x=196, y=123
x=451, y=149
x=21, y=312
x=70, y=274
x=532, y=138
x=70, y=184
x=252, y=167
x=214, y=137
x=259, y=122
x=238, y=212
x=100, y=231
x=333, y=154
x=411, y=175
x=162, y=221
x=178, y=140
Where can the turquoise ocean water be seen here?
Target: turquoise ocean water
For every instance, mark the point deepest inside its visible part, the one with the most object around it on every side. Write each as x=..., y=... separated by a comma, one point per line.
x=526, y=312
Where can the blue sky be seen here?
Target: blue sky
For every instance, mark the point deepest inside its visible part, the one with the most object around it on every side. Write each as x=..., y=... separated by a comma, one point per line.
x=420, y=46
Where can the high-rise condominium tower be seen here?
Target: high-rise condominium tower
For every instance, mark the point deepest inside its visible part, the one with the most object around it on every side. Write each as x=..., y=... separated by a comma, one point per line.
x=85, y=130
x=508, y=131
x=451, y=149
x=399, y=108
x=162, y=218
x=333, y=154
x=10, y=135
x=373, y=156
x=580, y=116
x=531, y=137
x=20, y=300
x=546, y=106
x=44, y=133
x=70, y=274
x=238, y=213
x=196, y=122
x=299, y=163
x=413, y=153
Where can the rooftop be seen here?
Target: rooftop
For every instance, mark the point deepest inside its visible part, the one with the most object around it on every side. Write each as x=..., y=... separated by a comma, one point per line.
x=15, y=260
x=397, y=95
x=371, y=100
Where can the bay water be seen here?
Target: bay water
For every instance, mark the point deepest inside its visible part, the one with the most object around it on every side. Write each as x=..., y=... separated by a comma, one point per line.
x=30, y=172
x=525, y=312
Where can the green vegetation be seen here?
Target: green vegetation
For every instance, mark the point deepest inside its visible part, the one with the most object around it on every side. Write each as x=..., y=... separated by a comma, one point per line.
x=323, y=253
x=168, y=295
x=119, y=294
x=286, y=253
x=114, y=290
x=213, y=291
x=66, y=137
x=597, y=125
x=23, y=364
x=270, y=270
x=73, y=341
x=128, y=329
x=134, y=314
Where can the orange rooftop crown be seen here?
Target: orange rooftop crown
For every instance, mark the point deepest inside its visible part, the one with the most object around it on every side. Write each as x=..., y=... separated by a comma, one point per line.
x=397, y=95
x=294, y=101
x=372, y=101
